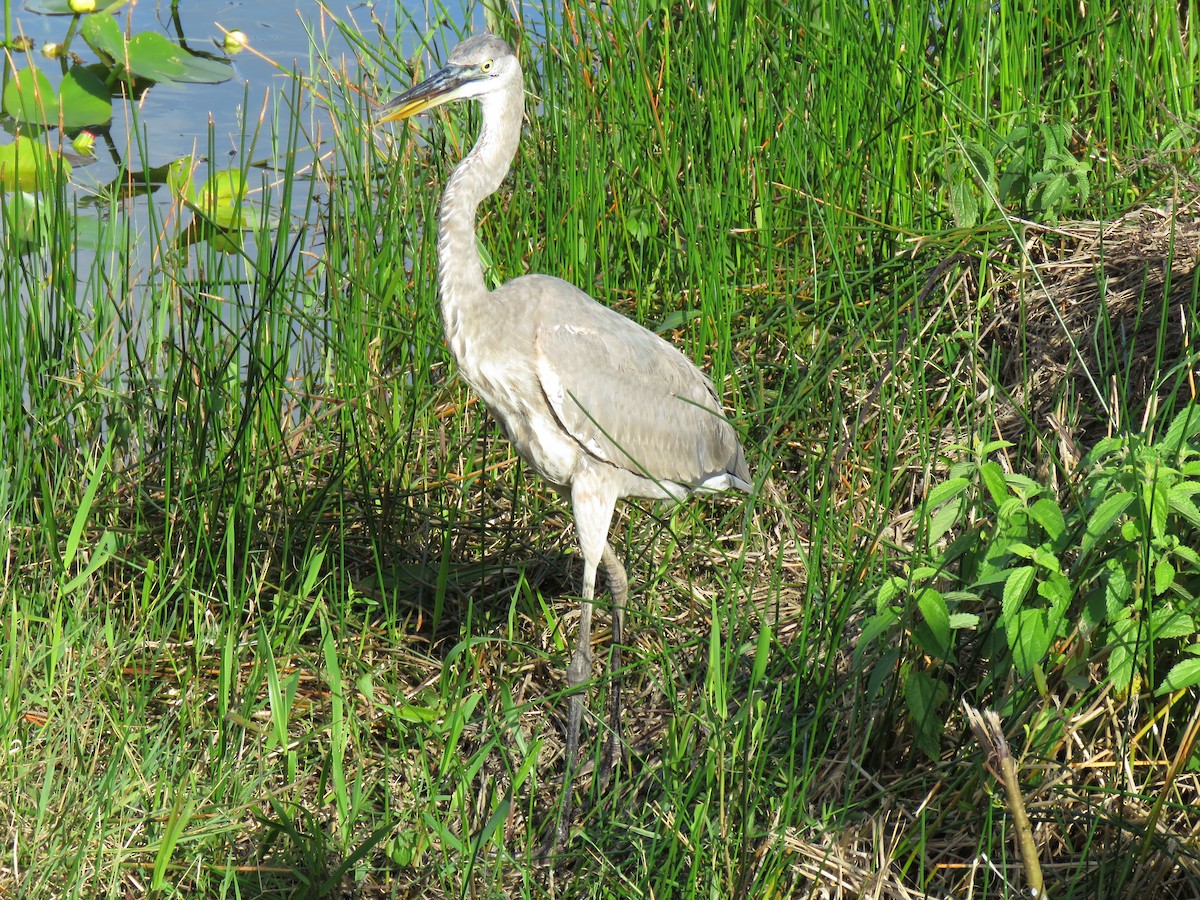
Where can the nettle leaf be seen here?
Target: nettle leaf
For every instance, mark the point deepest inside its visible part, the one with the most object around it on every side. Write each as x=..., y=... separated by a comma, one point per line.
x=1102, y=519
x=1121, y=659
x=877, y=625
x=1157, y=505
x=924, y=694
x=1047, y=514
x=1164, y=576
x=1167, y=623
x=889, y=591
x=964, y=205
x=1118, y=587
x=937, y=620
x=1180, y=501
x=1184, y=427
x=1029, y=639
x=1187, y=554
x=1184, y=674
x=993, y=480
x=1022, y=485
x=1057, y=590
x=962, y=620
x=1051, y=194
x=980, y=163
x=947, y=490
x=1016, y=588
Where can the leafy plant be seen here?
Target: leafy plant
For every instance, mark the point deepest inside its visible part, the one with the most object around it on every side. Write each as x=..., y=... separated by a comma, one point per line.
x=1109, y=572
x=1030, y=171
x=85, y=94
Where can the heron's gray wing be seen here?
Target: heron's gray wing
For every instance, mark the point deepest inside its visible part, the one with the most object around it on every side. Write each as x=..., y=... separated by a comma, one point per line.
x=633, y=400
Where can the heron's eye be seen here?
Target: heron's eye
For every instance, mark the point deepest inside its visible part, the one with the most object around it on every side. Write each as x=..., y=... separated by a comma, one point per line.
x=486, y=66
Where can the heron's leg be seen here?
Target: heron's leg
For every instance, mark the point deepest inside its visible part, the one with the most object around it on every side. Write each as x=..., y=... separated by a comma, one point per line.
x=593, y=503
x=579, y=670
x=618, y=586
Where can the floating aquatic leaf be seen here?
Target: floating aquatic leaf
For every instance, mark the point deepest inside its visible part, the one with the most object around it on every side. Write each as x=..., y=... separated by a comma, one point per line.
x=222, y=200
x=63, y=7
x=28, y=165
x=153, y=56
x=29, y=98
x=84, y=99
x=103, y=34
x=25, y=221
x=150, y=55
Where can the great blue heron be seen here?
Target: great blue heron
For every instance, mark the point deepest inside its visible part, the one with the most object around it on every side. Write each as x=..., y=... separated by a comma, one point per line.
x=596, y=404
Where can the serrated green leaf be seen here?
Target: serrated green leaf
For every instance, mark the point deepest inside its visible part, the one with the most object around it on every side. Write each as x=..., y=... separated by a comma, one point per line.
x=960, y=620
x=936, y=615
x=1051, y=194
x=889, y=591
x=964, y=207
x=1159, y=504
x=1118, y=588
x=1047, y=514
x=943, y=520
x=1016, y=587
x=993, y=480
x=1182, y=504
x=1184, y=427
x=1123, y=640
x=877, y=624
x=1102, y=519
x=1022, y=485
x=923, y=695
x=1184, y=674
x=1188, y=555
x=980, y=163
x=1167, y=624
x=1029, y=639
x=1164, y=576
x=1045, y=558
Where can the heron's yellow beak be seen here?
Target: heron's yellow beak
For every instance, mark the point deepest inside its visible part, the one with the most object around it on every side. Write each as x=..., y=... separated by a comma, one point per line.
x=442, y=87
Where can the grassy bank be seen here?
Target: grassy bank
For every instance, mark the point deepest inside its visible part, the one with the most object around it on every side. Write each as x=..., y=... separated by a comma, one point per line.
x=284, y=616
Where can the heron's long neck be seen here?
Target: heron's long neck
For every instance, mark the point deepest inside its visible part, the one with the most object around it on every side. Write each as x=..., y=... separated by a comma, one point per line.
x=460, y=272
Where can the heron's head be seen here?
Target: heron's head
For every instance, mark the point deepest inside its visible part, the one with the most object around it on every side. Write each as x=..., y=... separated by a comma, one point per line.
x=479, y=66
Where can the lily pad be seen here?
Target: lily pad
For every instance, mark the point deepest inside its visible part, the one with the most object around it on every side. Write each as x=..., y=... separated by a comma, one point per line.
x=29, y=98
x=63, y=7
x=153, y=56
x=150, y=55
x=222, y=200
x=103, y=34
x=28, y=165
x=84, y=99
x=25, y=221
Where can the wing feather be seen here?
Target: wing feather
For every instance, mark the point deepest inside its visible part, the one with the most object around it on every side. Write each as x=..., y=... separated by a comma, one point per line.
x=633, y=400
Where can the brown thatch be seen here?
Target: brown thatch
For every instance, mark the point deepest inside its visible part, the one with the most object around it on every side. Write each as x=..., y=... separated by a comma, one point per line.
x=1093, y=321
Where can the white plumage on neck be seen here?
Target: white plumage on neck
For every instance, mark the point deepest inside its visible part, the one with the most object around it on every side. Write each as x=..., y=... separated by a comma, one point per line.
x=477, y=176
